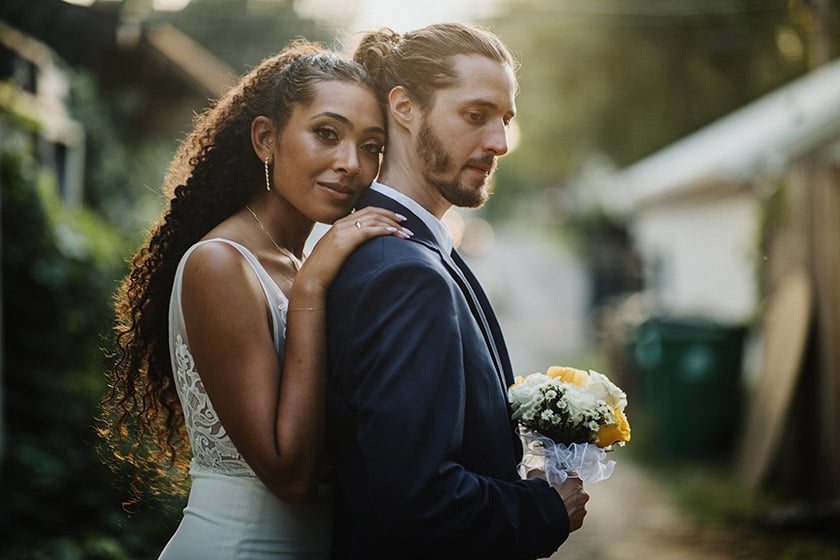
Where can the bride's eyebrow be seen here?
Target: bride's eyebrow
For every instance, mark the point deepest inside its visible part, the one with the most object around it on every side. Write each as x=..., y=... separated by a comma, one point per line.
x=340, y=118
x=347, y=122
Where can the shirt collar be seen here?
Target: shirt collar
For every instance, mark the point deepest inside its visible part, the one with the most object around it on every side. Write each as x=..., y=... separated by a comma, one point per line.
x=441, y=233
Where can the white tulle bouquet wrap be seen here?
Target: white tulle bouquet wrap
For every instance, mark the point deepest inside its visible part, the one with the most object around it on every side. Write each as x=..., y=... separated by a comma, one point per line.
x=568, y=419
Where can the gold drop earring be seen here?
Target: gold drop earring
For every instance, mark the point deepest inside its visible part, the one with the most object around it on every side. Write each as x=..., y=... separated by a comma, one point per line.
x=267, y=179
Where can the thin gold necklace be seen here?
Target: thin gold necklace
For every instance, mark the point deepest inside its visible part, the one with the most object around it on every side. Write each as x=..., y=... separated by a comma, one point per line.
x=285, y=252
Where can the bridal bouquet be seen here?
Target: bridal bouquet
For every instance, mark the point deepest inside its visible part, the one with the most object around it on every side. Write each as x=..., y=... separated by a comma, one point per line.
x=568, y=418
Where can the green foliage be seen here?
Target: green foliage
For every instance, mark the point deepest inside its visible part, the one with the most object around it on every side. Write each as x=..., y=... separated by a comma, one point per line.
x=123, y=170
x=60, y=267
x=241, y=32
x=713, y=494
x=741, y=523
x=623, y=79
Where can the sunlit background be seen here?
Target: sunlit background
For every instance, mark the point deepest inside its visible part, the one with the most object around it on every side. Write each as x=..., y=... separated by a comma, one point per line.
x=669, y=215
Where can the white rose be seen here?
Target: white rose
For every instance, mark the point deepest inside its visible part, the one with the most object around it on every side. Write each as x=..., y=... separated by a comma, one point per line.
x=525, y=393
x=579, y=402
x=603, y=389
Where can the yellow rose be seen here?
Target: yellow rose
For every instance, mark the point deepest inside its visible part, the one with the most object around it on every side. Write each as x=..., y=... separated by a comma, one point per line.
x=568, y=375
x=609, y=434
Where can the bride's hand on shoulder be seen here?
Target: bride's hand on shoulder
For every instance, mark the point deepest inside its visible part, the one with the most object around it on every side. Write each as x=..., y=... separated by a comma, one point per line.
x=345, y=235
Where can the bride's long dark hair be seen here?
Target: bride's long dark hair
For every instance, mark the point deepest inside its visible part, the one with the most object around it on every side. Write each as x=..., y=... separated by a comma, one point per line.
x=213, y=174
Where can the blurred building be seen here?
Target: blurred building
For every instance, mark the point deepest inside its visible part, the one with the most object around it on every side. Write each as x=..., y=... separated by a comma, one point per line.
x=737, y=225
x=695, y=208
x=33, y=89
x=165, y=73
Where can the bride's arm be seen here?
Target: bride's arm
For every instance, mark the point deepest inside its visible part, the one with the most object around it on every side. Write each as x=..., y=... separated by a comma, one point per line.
x=300, y=422
x=275, y=418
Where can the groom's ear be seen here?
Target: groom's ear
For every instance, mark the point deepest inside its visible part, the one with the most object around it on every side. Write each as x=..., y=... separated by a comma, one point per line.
x=404, y=111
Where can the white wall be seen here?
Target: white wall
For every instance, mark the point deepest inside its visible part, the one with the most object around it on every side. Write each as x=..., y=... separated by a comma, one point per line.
x=700, y=256
x=539, y=289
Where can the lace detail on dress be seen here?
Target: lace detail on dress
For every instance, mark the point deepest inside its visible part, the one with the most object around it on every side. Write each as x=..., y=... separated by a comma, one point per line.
x=212, y=449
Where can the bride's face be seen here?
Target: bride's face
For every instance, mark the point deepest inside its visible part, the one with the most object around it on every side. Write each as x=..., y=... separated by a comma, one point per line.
x=329, y=151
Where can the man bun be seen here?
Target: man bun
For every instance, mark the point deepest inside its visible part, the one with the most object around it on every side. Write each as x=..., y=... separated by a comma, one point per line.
x=375, y=53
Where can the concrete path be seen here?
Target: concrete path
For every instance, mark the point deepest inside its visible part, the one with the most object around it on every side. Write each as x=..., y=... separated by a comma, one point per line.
x=630, y=517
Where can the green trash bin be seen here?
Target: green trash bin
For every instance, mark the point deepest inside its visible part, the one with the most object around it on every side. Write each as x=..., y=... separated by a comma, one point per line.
x=691, y=371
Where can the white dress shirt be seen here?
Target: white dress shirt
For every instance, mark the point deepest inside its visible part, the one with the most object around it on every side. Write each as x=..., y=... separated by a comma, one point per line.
x=441, y=233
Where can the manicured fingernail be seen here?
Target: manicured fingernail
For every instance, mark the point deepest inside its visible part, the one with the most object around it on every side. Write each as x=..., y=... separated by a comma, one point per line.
x=400, y=217
x=391, y=229
x=407, y=231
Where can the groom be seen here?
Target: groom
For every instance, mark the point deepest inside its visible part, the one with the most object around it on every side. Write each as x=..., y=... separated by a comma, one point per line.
x=419, y=430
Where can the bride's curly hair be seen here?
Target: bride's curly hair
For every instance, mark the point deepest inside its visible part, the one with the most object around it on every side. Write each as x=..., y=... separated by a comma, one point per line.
x=214, y=173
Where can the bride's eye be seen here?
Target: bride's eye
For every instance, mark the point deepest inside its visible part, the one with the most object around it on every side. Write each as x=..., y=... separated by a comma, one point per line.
x=373, y=148
x=326, y=134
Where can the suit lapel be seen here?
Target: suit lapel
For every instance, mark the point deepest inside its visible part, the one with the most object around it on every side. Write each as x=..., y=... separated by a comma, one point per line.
x=490, y=322
x=474, y=294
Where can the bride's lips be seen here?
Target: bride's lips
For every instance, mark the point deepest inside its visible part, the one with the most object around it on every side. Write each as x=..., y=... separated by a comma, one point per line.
x=338, y=191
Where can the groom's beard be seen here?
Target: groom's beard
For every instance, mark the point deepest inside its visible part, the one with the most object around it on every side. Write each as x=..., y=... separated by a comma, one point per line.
x=437, y=162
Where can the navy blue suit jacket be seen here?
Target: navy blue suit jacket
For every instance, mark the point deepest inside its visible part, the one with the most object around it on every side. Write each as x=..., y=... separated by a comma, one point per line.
x=418, y=427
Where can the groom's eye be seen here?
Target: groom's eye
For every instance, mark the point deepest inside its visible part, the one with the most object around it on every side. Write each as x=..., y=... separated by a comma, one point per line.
x=475, y=117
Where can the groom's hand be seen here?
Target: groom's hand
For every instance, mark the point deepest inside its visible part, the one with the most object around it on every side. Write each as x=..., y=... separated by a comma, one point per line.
x=574, y=498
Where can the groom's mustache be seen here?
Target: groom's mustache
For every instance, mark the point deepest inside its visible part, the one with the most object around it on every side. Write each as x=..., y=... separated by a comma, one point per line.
x=485, y=161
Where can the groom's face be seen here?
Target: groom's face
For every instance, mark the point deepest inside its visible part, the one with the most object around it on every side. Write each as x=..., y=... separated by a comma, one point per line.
x=465, y=129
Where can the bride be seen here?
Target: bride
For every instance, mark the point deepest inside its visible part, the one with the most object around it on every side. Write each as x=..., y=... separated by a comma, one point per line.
x=220, y=323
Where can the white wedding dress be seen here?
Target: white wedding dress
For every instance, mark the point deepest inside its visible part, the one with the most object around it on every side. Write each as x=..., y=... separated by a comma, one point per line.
x=230, y=514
